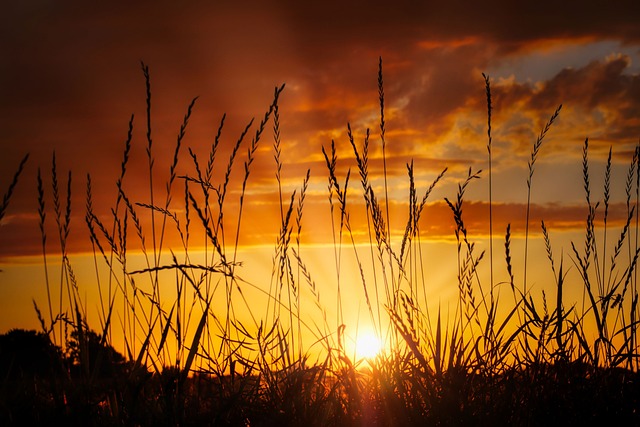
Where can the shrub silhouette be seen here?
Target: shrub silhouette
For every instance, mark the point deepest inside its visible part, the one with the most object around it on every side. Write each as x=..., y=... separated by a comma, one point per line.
x=102, y=359
x=27, y=355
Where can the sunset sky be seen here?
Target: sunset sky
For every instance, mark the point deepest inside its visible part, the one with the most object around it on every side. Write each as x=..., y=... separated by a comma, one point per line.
x=70, y=79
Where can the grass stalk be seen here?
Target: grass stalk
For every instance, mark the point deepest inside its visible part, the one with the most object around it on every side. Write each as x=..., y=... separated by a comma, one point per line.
x=531, y=165
x=489, y=152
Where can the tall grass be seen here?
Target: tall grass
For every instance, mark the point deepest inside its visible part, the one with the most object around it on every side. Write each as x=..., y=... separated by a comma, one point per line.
x=12, y=186
x=14, y=182
x=192, y=359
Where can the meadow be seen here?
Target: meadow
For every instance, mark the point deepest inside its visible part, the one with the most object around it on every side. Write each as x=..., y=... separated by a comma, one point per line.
x=181, y=337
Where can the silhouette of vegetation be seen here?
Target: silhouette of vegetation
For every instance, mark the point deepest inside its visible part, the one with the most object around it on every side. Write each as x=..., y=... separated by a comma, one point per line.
x=103, y=360
x=28, y=355
x=502, y=356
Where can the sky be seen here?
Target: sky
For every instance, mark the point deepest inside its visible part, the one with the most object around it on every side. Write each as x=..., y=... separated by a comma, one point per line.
x=71, y=78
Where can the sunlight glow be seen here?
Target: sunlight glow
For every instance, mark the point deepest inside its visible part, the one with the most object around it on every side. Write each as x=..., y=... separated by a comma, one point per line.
x=368, y=346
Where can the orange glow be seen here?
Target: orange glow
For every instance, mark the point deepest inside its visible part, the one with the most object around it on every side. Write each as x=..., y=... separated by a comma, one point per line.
x=449, y=44
x=367, y=346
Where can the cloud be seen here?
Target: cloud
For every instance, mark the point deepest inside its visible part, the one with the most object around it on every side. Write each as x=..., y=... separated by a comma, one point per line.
x=599, y=102
x=71, y=80
x=500, y=19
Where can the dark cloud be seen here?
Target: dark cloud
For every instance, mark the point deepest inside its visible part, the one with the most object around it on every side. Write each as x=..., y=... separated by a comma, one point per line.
x=599, y=84
x=600, y=101
x=324, y=24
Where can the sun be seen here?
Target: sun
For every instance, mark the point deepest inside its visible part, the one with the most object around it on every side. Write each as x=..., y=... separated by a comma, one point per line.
x=368, y=346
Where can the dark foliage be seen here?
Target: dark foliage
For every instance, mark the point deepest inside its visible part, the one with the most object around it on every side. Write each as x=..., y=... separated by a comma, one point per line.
x=40, y=386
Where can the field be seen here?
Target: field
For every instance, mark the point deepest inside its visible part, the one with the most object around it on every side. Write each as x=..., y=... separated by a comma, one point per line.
x=181, y=337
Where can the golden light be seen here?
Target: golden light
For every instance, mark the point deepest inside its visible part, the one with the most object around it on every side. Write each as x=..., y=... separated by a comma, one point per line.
x=368, y=345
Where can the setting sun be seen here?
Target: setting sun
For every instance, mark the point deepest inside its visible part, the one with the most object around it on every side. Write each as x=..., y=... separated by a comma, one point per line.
x=368, y=346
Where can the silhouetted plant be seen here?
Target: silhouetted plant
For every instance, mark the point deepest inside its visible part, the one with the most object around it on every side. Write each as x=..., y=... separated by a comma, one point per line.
x=188, y=361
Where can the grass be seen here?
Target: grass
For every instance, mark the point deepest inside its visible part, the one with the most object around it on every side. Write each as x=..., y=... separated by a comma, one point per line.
x=190, y=360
